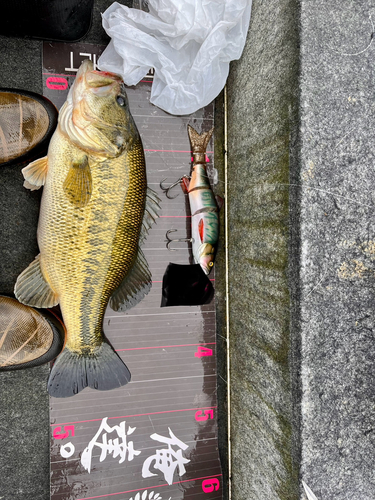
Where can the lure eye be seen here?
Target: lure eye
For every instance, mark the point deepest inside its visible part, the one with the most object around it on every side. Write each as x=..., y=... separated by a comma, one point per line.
x=120, y=100
x=210, y=264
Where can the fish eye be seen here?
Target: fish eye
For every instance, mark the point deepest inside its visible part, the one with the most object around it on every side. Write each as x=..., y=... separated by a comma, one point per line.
x=210, y=264
x=120, y=100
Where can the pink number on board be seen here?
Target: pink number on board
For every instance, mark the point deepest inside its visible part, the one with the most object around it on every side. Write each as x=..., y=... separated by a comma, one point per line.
x=207, y=414
x=203, y=351
x=209, y=485
x=67, y=429
x=57, y=83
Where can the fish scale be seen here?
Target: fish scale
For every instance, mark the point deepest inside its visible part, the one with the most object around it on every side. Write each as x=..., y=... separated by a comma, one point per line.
x=97, y=270
x=92, y=218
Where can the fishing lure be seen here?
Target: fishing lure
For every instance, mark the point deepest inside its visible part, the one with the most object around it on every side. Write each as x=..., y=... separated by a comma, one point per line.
x=203, y=206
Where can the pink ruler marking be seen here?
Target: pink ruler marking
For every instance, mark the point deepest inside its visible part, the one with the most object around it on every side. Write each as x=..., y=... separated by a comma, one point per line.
x=139, y=415
x=173, y=151
x=164, y=346
x=149, y=487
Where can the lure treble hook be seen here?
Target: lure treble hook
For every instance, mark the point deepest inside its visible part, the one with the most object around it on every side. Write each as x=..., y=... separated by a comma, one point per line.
x=187, y=240
x=168, y=188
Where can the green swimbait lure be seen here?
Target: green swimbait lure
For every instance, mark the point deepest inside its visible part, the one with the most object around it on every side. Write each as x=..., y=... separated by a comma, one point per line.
x=203, y=206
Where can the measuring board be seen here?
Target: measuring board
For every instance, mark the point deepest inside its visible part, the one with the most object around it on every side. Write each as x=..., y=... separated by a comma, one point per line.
x=155, y=438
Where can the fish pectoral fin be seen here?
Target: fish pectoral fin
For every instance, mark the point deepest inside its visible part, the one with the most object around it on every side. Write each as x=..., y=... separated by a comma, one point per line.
x=78, y=183
x=35, y=174
x=32, y=288
x=136, y=284
x=152, y=209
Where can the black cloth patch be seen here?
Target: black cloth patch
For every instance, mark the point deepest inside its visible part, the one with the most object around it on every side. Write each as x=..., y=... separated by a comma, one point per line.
x=185, y=285
x=64, y=20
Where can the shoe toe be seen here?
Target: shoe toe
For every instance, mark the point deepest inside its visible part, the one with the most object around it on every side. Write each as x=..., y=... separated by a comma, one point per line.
x=27, y=337
x=27, y=121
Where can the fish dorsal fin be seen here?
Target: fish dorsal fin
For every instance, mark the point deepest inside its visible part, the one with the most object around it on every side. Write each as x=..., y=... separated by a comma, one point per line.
x=35, y=173
x=152, y=209
x=134, y=287
x=78, y=182
x=32, y=288
x=199, y=142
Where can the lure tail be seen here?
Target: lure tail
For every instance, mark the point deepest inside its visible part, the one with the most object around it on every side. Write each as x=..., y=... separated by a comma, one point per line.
x=72, y=371
x=199, y=142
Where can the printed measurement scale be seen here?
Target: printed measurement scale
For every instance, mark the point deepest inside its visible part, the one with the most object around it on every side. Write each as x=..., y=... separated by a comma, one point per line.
x=155, y=438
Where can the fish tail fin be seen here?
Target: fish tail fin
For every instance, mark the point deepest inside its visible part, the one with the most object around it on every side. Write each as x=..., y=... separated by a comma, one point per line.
x=73, y=371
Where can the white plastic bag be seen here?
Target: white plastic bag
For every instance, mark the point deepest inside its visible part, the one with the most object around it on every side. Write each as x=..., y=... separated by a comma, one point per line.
x=189, y=43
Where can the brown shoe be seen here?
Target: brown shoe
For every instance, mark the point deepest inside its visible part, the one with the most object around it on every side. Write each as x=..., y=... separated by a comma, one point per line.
x=27, y=337
x=27, y=122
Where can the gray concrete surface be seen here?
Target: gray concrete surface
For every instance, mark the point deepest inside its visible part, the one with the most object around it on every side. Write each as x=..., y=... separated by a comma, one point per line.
x=262, y=126
x=301, y=252
x=337, y=248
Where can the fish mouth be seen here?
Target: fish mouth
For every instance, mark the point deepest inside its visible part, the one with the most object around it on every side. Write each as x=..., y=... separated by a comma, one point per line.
x=87, y=66
x=106, y=74
x=99, y=82
x=98, y=79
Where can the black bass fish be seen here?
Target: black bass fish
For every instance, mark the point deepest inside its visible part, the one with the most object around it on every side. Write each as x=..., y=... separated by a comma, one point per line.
x=95, y=212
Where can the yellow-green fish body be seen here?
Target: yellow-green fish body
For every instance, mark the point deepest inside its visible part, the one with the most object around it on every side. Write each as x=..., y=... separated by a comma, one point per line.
x=95, y=209
x=97, y=243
